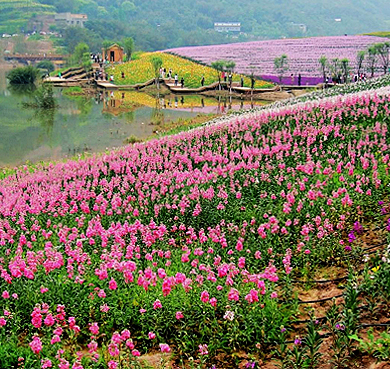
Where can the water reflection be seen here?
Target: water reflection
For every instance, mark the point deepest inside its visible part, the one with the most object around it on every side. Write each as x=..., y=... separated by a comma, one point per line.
x=117, y=102
x=90, y=123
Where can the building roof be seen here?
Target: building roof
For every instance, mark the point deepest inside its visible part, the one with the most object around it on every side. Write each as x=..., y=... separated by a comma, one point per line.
x=115, y=45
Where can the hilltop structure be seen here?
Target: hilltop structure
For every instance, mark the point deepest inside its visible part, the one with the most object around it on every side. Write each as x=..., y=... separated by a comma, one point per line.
x=227, y=27
x=70, y=20
x=114, y=54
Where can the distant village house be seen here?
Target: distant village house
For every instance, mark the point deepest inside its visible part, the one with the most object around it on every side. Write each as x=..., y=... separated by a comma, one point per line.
x=70, y=20
x=227, y=27
x=114, y=54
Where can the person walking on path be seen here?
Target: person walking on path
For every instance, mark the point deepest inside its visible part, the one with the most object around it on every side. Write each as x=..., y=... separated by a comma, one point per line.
x=202, y=81
x=242, y=81
x=182, y=82
x=252, y=82
x=176, y=79
x=299, y=79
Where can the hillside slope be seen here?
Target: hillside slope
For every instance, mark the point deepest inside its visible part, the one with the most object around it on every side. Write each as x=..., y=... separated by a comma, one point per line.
x=14, y=14
x=174, y=23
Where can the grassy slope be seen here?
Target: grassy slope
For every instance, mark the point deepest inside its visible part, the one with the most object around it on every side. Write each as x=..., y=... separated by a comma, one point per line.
x=379, y=34
x=141, y=70
x=14, y=14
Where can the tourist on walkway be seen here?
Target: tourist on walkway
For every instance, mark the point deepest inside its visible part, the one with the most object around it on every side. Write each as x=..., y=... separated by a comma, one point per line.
x=242, y=81
x=299, y=79
x=252, y=83
x=202, y=81
x=182, y=82
x=176, y=79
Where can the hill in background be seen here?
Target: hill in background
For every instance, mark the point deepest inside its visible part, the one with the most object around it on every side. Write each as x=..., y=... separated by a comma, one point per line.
x=175, y=23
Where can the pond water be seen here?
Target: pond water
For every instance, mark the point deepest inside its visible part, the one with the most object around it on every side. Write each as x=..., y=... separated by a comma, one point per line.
x=93, y=124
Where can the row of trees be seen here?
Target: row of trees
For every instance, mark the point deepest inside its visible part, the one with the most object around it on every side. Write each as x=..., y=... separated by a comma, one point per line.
x=376, y=55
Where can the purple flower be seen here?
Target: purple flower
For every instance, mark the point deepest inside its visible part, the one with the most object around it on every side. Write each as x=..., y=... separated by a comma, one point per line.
x=297, y=342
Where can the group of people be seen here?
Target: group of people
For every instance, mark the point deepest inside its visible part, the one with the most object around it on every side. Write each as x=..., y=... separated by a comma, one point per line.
x=168, y=74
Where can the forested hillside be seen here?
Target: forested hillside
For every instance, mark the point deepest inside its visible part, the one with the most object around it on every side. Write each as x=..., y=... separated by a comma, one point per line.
x=14, y=14
x=173, y=23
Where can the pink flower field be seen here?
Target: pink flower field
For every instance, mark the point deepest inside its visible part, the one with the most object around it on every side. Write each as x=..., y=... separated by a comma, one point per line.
x=302, y=53
x=189, y=245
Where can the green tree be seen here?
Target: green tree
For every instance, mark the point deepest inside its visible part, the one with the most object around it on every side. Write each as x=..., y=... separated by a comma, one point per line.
x=128, y=44
x=335, y=67
x=47, y=65
x=345, y=69
x=323, y=65
x=230, y=65
x=219, y=66
x=281, y=66
x=359, y=60
x=23, y=75
x=383, y=50
x=157, y=64
x=372, y=59
x=79, y=53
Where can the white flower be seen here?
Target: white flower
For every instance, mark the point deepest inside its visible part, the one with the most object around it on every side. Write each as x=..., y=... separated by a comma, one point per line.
x=229, y=315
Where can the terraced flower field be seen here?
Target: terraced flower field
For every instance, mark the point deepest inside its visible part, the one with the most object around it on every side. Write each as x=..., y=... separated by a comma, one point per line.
x=141, y=71
x=303, y=53
x=190, y=244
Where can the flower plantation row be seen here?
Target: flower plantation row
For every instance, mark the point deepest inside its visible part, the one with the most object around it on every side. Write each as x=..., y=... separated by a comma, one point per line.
x=186, y=240
x=303, y=54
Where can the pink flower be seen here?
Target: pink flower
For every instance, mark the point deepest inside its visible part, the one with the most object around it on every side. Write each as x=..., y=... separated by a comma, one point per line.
x=49, y=320
x=55, y=339
x=179, y=315
x=204, y=296
x=112, y=364
x=233, y=294
x=44, y=289
x=157, y=305
x=135, y=353
x=165, y=348
x=5, y=295
x=274, y=295
x=94, y=328
x=130, y=344
x=113, y=349
x=46, y=363
x=3, y=322
x=101, y=293
x=104, y=308
x=125, y=334
x=213, y=302
x=152, y=335
x=203, y=350
x=36, y=345
x=112, y=285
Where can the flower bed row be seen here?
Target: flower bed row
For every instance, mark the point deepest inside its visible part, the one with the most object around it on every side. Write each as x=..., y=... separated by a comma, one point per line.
x=187, y=240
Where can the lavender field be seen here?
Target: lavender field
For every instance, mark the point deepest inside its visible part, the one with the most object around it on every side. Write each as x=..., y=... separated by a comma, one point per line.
x=303, y=54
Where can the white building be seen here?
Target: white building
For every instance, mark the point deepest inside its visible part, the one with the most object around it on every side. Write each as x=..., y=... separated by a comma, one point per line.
x=70, y=20
x=227, y=27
